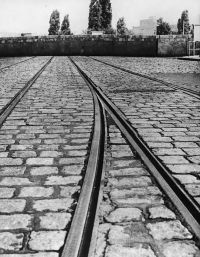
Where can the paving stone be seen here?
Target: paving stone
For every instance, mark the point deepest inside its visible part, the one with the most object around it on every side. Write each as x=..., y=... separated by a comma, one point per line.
x=192, y=151
x=126, y=163
x=124, y=215
x=159, y=145
x=77, y=160
x=47, y=240
x=41, y=171
x=128, y=234
x=39, y=161
x=77, y=153
x=128, y=172
x=55, y=221
x=186, y=139
x=60, y=180
x=188, y=168
x=121, y=154
x=10, y=241
x=24, y=154
x=55, y=141
x=50, y=154
x=12, y=205
x=47, y=147
x=137, y=201
x=137, y=250
x=130, y=182
x=75, y=147
x=185, y=144
x=72, y=170
x=194, y=190
x=53, y=204
x=180, y=248
x=15, y=221
x=3, y=154
x=168, y=151
x=41, y=254
x=12, y=171
x=7, y=192
x=10, y=161
x=194, y=159
x=161, y=212
x=168, y=230
x=15, y=181
x=21, y=147
x=157, y=139
x=128, y=193
x=187, y=179
x=68, y=191
x=173, y=159
x=36, y=192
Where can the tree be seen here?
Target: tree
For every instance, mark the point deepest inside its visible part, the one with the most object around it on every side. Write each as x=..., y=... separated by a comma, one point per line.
x=183, y=24
x=163, y=27
x=65, y=27
x=121, y=27
x=54, y=23
x=95, y=15
x=106, y=14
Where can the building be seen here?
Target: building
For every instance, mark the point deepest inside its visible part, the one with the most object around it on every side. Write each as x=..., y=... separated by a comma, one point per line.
x=147, y=27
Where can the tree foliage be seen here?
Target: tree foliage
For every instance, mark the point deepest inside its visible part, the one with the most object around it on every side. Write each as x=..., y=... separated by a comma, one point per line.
x=163, y=27
x=54, y=23
x=183, y=24
x=100, y=15
x=65, y=27
x=121, y=27
x=95, y=19
x=106, y=14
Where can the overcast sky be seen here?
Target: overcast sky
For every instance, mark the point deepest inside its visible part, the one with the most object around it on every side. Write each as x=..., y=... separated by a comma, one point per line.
x=18, y=16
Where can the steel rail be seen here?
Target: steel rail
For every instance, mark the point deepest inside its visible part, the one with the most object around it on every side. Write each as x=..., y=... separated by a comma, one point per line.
x=185, y=204
x=185, y=90
x=80, y=233
x=7, y=67
x=7, y=109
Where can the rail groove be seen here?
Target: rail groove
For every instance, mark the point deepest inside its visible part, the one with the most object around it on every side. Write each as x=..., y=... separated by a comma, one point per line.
x=78, y=239
x=7, y=109
x=185, y=90
x=185, y=204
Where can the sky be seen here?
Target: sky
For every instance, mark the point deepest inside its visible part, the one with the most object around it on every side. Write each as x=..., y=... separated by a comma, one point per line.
x=17, y=16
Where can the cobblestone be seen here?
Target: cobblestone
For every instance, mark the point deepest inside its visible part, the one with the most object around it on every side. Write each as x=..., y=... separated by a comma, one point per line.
x=47, y=240
x=12, y=205
x=53, y=204
x=168, y=230
x=15, y=221
x=44, y=144
x=10, y=241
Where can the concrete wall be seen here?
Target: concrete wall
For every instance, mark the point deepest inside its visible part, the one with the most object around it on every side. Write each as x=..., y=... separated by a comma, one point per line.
x=172, y=45
x=78, y=45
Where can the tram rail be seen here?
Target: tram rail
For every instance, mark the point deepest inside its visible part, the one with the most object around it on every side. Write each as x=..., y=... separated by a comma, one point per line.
x=7, y=109
x=77, y=244
x=188, y=91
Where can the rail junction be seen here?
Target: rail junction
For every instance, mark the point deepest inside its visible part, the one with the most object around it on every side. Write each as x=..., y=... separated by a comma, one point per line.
x=99, y=157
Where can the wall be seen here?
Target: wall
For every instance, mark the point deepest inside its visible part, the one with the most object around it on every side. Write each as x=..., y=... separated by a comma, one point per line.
x=78, y=45
x=168, y=45
x=172, y=45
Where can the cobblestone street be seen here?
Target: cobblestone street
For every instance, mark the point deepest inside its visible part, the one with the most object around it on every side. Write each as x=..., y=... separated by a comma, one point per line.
x=45, y=145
